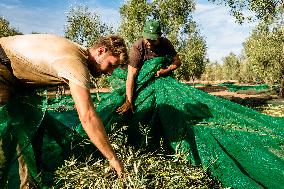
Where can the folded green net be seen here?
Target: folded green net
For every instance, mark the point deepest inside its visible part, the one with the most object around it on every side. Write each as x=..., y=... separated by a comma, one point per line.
x=233, y=87
x=19, y=121
x=45, y=135
x=241, y=147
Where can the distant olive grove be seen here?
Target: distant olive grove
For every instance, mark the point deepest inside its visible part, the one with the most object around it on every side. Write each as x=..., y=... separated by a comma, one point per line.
x=261, y=60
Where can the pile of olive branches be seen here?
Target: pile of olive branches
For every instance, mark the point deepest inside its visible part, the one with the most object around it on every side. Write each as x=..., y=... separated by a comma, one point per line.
x=142, y=170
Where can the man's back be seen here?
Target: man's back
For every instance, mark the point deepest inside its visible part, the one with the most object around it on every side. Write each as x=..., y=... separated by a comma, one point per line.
x=44, y=59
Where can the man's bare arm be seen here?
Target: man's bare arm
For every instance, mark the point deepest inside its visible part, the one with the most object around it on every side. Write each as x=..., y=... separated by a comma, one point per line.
x=93, y=124
x=130, y=82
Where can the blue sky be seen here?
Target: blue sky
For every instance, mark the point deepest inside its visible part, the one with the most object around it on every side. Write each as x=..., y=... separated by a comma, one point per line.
x=221, y=32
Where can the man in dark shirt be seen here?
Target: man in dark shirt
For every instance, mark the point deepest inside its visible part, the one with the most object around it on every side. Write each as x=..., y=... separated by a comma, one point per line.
x=151, y=45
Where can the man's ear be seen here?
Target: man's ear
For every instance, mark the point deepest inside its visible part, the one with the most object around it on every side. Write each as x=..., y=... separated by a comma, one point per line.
x=102, y=50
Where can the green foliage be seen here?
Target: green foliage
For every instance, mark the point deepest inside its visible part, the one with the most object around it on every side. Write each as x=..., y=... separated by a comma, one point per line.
x=265, y=10
x=175, y=18
x=231, y=67
x=143, y=170
x=247, y=74
x=84, y=26
x=193, y=58
x=133, y=15
x=270, y=12
x=6, y=29
x=213, y=72
x=263, y=51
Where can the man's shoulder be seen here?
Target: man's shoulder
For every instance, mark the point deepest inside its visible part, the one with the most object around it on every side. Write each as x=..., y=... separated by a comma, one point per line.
x=37, y=35
x=165, y=40
x=33, y=38
x=138, y=42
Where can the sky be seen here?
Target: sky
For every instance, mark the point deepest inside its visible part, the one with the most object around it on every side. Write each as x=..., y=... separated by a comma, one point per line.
x=222, y=34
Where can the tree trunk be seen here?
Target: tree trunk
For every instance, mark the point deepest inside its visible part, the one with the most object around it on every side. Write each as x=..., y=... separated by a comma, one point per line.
x=281, y=90
x=193, y=81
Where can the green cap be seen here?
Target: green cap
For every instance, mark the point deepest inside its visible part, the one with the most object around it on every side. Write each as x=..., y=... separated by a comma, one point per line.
x=151, y=30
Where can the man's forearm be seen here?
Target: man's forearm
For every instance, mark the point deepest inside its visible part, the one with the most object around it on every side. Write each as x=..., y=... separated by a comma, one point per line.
x=93, y=125
x=129, y=90
x=175, y=64
x=172, y=67
x=96, y=132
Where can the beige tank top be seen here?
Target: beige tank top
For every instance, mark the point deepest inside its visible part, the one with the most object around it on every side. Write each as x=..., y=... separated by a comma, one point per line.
x=45, y=59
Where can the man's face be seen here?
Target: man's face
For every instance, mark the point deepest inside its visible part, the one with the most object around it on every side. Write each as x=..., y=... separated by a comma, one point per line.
x=151, y=44
x=106, y=63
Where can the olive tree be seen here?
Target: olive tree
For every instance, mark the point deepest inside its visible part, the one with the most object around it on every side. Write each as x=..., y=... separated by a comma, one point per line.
x=6, y=29
x=231, y=67
x=133, y=15
x=263, y=9
x=84, y=26
x=263, y=51
x=270, y=12
x=193, y=55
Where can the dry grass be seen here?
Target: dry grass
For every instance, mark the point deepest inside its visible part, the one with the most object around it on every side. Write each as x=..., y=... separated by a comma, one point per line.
x=272, y=110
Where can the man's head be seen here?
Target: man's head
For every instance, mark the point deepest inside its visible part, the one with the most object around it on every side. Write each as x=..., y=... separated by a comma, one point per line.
x=152, y=33
x=108, y=53
x=152, y=30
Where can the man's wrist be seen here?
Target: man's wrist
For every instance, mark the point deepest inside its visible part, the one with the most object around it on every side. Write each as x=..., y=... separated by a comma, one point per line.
x=171, y=68
x=128, y=101
x=112, y=158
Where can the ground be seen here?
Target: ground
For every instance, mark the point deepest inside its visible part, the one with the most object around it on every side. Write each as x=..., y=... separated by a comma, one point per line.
x=266, y=102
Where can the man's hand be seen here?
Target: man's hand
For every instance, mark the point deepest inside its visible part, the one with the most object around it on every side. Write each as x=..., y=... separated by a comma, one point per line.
x=115, y=163
x=162, y=72
x=125, y=107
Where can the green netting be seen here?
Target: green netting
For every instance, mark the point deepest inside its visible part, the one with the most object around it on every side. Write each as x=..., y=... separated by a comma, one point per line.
x=241, y=147
x=19, y=121
x=233, y=87
x=45, y=134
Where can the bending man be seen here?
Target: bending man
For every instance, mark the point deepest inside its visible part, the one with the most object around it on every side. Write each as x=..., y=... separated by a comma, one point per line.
x=36, y=60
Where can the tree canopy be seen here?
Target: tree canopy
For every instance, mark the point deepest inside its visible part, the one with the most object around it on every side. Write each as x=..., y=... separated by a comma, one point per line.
x=6, y=29
x=264, y=9
x=193, y=56
x=84, y=26
x=263, y=51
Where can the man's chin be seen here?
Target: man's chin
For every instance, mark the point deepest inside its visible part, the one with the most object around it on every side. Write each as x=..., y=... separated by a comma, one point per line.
x=104, y=72
x=97, y=74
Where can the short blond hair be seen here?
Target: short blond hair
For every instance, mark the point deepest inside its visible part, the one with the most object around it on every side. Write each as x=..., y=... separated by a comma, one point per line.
x=115, y=45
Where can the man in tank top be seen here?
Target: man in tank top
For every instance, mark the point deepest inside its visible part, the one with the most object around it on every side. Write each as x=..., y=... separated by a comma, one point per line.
x=37, y=60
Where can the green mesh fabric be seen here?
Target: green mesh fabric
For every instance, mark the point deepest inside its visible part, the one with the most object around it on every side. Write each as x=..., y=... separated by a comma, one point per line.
x=27, y=121
x=19, y=121
x=234, y=87
x=241, y=147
